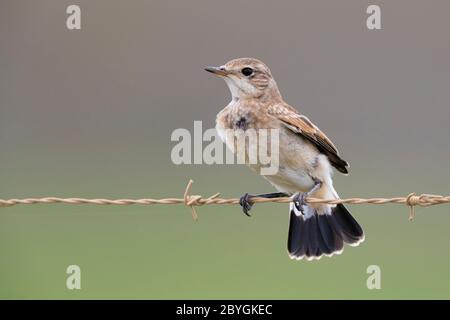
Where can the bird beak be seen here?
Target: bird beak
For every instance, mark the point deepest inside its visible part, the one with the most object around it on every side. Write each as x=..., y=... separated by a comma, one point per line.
x=220, y=71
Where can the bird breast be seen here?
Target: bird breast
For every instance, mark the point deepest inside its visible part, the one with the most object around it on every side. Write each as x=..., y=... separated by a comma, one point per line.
x=297, y=159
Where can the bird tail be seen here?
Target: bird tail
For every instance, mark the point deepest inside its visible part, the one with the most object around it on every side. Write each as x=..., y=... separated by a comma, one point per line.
x=312, y=235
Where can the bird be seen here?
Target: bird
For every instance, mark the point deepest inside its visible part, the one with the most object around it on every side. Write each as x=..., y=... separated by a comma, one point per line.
x=306, y=160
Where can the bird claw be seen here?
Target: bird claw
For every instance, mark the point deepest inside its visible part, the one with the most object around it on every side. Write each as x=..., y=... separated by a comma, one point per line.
x=246, y=204
x=299, y=201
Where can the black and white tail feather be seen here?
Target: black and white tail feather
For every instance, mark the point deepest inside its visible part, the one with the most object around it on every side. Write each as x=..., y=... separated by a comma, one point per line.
x=313, y=235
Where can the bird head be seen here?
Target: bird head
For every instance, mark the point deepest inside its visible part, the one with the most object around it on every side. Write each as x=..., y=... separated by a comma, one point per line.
x=247, y=78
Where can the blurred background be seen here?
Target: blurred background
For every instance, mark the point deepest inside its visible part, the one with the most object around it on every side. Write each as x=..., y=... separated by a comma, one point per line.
x=89, y=113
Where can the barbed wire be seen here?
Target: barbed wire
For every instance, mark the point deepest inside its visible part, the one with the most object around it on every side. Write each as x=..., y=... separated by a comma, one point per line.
x=192, y=201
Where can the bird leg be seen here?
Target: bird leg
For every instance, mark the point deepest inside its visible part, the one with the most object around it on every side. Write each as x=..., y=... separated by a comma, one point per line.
x=246, y=200
x=299, y=198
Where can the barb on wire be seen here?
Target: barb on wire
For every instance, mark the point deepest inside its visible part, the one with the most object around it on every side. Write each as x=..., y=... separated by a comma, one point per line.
x=192, y=201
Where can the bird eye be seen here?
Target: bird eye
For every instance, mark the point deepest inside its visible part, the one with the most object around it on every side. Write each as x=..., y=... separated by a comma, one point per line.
x=247, y=71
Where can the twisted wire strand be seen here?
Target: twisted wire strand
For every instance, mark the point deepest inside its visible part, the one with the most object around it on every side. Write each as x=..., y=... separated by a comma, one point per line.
x=412, y=200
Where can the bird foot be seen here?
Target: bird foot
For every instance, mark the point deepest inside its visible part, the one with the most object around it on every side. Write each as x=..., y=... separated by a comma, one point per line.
x=299, y=200
x=246, y=204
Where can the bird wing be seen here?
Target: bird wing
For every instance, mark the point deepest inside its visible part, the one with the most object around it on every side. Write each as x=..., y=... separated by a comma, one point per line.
x=303, y=126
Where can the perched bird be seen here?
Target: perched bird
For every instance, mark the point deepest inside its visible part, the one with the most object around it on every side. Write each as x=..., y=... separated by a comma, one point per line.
x=306, y=158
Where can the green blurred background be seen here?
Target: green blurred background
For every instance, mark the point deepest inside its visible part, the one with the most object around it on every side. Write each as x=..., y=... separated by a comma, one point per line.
x=89, y=113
